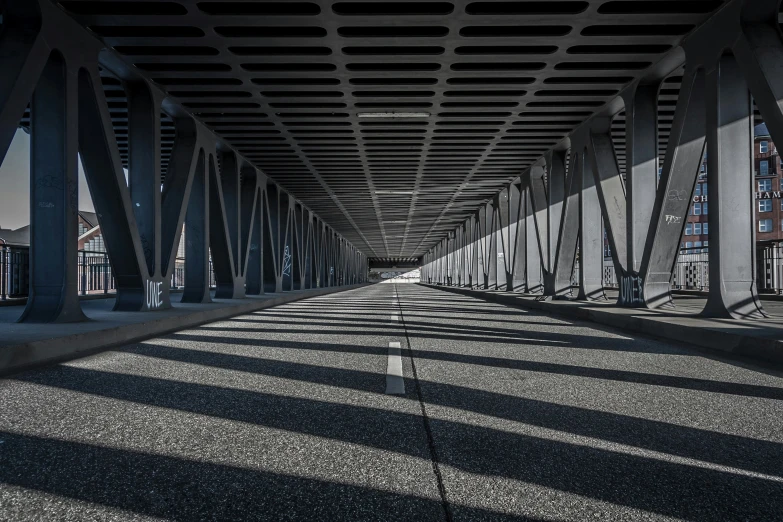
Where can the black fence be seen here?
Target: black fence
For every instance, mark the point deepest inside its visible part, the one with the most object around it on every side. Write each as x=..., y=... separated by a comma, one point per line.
x=95, y=273
x=14, y=272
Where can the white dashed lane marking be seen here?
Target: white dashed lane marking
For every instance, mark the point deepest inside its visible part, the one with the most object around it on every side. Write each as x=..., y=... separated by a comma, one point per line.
x=395, y=384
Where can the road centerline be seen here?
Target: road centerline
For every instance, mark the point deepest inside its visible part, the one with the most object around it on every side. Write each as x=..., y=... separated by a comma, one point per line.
x=395, y=384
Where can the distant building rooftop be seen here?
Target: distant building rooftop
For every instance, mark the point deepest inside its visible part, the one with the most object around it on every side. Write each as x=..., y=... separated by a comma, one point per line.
x=21, y=236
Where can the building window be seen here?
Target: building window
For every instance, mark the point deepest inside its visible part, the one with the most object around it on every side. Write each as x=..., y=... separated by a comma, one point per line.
x=705, y=229
x=764, y=147
x=689, y=229
x=705, y=208
x=698, y=190
x=764, y=168
x=765, y=225
x=765, y=205
x=697, y=209
x=765, y=185
x=689, y=244
x=697, y=229
x=703, y=189
x=697, y=244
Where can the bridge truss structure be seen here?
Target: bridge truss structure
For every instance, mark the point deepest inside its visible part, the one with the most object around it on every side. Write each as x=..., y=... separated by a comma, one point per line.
x=527, y=237
x=63, y=84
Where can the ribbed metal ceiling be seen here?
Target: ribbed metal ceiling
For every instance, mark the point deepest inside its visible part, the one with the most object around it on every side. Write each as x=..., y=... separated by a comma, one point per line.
x=393, y=120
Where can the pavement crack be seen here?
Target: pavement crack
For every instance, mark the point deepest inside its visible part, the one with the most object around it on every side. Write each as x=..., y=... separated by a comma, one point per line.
x=427, y=427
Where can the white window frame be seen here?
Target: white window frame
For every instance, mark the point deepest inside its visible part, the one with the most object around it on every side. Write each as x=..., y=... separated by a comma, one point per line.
x=764, y=147
x=697, y=229
x=697, y=209
x=765, y=205
x=765, y=185
x=767, y=225
x=689, y=229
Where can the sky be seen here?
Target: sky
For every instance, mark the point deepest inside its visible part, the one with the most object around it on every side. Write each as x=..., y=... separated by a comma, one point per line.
x=15, y=185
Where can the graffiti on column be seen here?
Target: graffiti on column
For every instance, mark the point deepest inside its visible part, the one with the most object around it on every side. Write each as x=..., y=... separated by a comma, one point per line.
x=286, y=262
x=631, y=291
x=154, y=294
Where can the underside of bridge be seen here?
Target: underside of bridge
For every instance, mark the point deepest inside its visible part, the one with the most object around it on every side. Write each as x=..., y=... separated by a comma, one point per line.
x=394, y=121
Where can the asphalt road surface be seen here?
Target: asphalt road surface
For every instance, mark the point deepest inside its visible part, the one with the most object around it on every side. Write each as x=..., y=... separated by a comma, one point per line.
x=393, y=402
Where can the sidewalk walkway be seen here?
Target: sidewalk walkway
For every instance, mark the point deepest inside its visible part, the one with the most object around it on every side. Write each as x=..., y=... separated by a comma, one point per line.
x=25, y=345
x=760, y=340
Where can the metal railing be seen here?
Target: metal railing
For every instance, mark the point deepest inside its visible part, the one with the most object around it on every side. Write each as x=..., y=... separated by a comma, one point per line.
x=95, y=274
x=692, y=269
x=769, y=269
x=94, y=268
x=14, y=272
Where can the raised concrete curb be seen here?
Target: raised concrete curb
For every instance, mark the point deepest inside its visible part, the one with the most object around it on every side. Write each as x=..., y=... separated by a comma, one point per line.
x=753, y=340
x=56, y=348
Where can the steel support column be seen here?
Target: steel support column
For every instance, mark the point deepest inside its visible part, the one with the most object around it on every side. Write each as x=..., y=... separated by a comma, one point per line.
x=641, y=153
x=500, y=230
x=197, y=273
x=730, y=175
x=591, y=244
x=534, y=282
x=54, y=198
x=568, y=236
x=684, y=154
x=516, y=243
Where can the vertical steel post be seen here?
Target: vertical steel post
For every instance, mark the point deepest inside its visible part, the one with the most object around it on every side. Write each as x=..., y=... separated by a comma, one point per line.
x=197, y=272
x=591, y=244
x=534, y=283
x=54, y=294
x=730, y=174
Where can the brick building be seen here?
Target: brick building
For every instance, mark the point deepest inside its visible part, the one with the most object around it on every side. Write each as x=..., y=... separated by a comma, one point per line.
x=769, y=187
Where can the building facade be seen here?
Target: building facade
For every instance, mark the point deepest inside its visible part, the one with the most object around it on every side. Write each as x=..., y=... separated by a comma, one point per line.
x=769, y=187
